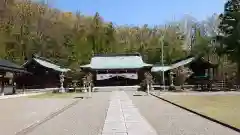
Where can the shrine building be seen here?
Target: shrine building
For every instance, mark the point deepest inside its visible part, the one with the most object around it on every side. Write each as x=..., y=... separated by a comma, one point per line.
x=44, y=74
x=117, y=69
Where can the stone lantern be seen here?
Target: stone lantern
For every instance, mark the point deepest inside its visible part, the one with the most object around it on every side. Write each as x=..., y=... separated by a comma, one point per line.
x=62, y=90
x=75, y=85
x=84, y=85
x=172, y=87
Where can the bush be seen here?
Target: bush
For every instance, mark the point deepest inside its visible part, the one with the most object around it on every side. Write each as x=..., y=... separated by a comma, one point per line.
x=182, y=74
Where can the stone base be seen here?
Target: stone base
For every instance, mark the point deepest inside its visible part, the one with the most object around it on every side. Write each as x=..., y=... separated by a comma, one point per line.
x=84, y=90
x=62, y=90
x=172, y=88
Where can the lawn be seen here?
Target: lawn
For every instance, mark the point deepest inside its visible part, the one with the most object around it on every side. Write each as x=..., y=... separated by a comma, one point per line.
x=55, y=95
x=224, y=108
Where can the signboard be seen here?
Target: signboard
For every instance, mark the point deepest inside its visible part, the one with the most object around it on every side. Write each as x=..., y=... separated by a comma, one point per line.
x=124, y=75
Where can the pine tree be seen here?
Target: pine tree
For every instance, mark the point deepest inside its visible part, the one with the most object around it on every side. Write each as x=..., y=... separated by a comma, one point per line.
x=229, y=35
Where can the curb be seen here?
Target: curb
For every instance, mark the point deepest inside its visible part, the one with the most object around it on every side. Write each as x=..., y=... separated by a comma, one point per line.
x=31, y=127
x=20, y=95
x=199, y=114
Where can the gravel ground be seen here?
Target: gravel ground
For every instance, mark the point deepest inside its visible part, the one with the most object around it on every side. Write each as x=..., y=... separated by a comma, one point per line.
x=19, y=113
x=170, y=120
x=85, y=118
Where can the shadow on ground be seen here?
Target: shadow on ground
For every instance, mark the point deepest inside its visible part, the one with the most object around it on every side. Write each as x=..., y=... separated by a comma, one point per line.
x=78, y=97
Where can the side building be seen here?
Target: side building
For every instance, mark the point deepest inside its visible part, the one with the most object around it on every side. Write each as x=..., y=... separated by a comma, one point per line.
x=117, y=69
x=44, y=74
x=7, y=72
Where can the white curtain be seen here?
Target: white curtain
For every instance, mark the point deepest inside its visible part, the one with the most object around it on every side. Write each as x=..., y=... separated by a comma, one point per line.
x=129, y=75
x=125, y=75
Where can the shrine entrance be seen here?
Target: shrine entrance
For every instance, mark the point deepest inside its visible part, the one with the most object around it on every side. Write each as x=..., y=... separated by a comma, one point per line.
x=125, y=79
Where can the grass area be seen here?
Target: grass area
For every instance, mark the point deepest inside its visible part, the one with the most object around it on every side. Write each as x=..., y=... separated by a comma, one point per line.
x=224, y=108
x=54, y=95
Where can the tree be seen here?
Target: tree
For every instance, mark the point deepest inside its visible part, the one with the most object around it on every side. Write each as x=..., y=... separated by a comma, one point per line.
x=96, y=34
x=201, y=45
x=110, y=38
x=71, y=39
x=229, y=36
x=173, y=45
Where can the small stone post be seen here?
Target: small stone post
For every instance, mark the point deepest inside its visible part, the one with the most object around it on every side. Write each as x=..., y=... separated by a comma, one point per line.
x=89, y=90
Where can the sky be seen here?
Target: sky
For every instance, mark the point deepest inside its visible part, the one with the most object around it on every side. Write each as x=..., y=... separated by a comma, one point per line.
x=139, y=12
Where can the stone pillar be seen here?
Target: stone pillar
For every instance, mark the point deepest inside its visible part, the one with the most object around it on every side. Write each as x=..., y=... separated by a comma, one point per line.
x=148, y=89
x=89, y=90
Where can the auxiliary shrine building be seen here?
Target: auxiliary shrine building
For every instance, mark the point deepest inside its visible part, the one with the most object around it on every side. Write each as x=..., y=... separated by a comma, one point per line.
x=117, y=69
x=43, y=73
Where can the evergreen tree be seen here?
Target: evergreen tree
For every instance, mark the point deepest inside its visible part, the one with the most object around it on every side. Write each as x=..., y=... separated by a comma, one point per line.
x=229, y=35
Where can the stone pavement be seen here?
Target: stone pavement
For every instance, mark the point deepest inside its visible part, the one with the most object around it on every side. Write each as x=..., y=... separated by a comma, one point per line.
x=167, y=119
x=85, y=118
x=19, y=113
x=123, y=118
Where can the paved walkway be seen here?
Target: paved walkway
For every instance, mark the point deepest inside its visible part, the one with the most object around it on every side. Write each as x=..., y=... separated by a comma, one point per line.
x=20, y=113
x=123, y=118
x=85, y=118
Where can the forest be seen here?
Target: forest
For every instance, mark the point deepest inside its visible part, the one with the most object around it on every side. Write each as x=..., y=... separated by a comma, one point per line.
x=71, y=39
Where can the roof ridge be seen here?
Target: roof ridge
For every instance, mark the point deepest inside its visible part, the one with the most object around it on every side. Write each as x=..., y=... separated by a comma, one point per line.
x=43, y=58
x=9, y=64
x=117, y=55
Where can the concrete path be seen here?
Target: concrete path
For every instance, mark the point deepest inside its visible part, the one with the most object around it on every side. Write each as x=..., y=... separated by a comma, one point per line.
x=123, y=118
x=85, y=118
x=20, y=113
x=167, y=119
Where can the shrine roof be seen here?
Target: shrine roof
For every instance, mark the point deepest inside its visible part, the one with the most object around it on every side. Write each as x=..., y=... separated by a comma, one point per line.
x=6, y=65
x=183, y=62
x=48, y=64
x=122, y=61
